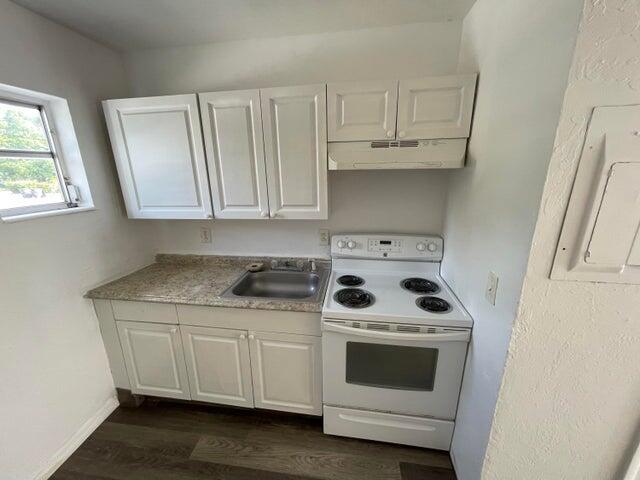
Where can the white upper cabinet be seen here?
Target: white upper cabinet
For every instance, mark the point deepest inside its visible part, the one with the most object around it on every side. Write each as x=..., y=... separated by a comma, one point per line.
x=362, y=110
x=157, y=144
x=436, y=107
x=235, y=151
x=295, y=137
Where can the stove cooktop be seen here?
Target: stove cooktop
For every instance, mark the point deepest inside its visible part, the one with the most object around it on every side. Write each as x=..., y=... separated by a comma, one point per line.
x=381, y=297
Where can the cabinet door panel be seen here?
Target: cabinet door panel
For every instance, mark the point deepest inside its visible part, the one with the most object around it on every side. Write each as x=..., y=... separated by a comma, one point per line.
x=294, y=122
x=218, y=365
x=287, y=372
x=154, y=359
x=436, y=107
x=157, y=144
x=358, y=111
x=233, y=139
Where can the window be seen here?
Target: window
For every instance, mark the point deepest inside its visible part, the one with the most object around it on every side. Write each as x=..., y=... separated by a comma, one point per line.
x=41, y=170
x=31, y=177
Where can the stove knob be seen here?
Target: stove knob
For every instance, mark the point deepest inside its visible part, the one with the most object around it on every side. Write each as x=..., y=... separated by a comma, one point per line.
x=351, y=244
x=432, y=247
x=421, y=247
x=341, y=244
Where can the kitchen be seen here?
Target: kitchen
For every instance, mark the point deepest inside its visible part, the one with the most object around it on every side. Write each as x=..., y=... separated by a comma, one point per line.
x=334, y=206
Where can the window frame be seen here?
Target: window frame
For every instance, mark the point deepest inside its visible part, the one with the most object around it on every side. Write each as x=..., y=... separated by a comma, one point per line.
x=52, y=153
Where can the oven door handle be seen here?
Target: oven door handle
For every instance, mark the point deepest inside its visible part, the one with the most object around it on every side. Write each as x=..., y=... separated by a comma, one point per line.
x=457, y=336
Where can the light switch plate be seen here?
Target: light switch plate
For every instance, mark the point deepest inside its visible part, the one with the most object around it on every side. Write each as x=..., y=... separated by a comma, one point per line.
x=205, y=235
x=492, y=288
x=323, y=237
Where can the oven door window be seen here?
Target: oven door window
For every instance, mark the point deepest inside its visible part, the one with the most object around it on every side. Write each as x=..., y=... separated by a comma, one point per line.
x=391, y=366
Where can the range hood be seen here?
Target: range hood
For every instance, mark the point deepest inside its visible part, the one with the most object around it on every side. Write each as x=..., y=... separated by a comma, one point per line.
x=397, y=154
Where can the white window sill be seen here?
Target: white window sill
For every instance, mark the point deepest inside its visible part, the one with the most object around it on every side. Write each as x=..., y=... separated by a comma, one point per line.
x=48, y=213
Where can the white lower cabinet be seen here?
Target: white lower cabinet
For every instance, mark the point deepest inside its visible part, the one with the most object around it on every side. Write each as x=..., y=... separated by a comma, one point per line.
x=287, y=372
x=154, y=359
x=218, y=365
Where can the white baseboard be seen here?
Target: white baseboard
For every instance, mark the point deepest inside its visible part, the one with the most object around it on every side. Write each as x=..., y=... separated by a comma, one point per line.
x=76, y=440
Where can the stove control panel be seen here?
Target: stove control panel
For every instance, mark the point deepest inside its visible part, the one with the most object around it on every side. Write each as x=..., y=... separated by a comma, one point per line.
x=396, y=247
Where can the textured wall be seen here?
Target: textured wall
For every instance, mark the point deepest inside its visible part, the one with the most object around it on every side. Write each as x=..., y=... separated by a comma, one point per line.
x=398, y=201
x=569, y=406
x=523, y=51
x=53, y=366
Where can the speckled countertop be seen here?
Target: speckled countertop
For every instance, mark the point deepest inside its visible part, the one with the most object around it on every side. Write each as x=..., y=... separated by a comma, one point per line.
x=195, y=280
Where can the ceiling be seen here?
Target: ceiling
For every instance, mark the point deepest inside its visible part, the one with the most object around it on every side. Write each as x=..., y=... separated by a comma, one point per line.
x=138, y=24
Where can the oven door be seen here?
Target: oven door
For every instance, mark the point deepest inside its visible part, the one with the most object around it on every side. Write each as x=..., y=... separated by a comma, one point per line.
x=408, y=373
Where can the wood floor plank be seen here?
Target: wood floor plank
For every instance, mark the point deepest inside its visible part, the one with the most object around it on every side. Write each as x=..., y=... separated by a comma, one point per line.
x=155, y=440
x=69, y=475
x=413, y=471
x=314, y=438
x=181, y=419
x=118, y=461
x=294, y=459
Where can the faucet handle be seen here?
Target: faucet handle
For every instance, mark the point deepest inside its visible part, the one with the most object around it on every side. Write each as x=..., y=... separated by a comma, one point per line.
x=312, y=265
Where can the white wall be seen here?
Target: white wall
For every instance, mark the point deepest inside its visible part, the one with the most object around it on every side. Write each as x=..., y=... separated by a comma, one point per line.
x=523, y=53
x=569, y=406
x=363, y=201
x=53, y=367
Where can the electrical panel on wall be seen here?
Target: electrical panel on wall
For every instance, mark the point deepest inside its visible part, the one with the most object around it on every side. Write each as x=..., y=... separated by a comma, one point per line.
x=600, y=239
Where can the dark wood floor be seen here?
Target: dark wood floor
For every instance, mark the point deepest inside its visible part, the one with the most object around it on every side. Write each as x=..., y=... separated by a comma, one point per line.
x=164, y=440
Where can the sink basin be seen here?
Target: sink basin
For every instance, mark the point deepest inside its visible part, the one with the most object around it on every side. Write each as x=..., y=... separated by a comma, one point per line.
x=303, y=286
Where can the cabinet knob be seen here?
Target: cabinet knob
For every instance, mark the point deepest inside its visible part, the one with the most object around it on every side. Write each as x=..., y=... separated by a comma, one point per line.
x=273, y=214
x=389, y=133
x=174, y=330
x=264, y=214
x=251, y=337
x=242, y=336
x=210, y=216
x=402, y=134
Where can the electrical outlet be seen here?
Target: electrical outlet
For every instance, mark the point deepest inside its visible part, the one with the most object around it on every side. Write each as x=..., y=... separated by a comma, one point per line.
x=492, y=288
x=323, y=236
x=205, y=235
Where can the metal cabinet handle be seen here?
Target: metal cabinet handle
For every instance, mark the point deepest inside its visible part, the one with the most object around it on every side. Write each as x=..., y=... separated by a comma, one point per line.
x=242, y=336
x=402, y=134
x=389, y=133
x=174, y=330
x=251, y=337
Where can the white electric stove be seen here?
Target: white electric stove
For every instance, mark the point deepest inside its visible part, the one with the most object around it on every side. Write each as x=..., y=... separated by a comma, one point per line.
x=394, y=341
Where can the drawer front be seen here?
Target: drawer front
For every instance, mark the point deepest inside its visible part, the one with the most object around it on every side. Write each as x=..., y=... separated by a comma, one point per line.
x=301, y=323
x=387, y=427
x=145, y=312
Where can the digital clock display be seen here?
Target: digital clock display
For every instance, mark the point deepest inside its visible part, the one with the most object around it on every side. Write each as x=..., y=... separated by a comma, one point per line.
x=385, y=242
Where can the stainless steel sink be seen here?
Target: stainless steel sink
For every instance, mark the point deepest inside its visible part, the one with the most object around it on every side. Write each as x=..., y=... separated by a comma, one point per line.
x=301, y=286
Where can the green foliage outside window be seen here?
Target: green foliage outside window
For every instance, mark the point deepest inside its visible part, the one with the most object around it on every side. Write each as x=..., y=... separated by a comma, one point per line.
x=22, y=132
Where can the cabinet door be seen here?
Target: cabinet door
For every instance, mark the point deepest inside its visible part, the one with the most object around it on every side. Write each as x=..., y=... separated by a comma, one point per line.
x=436, y=107
x=362, y=110
x=295, y=138
x=235, y=151
x=287, y=372
x=218, y=365
x=154, y=359
x=157, y=144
